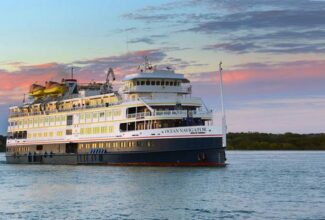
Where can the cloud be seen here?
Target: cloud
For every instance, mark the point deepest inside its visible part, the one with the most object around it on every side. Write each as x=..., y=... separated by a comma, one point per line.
x=268, y=72
x=244, y=26
x=147, y=40
x=233, y=47
x=263, y=20
x=271, y=47
x=255, y=81
x=149, y=18
x=15, y=83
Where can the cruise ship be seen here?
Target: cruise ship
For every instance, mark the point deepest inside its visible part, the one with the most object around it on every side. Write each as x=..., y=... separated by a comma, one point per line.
x=151, y=120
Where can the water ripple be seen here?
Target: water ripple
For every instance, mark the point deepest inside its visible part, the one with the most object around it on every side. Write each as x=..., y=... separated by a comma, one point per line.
x=255, y=185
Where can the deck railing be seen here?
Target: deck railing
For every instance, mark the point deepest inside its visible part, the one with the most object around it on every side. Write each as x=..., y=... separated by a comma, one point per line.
x=47, y=112
x=172, y=113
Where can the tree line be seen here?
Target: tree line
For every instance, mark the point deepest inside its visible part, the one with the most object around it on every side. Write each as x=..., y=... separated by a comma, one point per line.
x=266, y=141
x=260, y=141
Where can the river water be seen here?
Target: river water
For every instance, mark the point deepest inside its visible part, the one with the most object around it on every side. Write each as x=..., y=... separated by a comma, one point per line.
x=255, y=185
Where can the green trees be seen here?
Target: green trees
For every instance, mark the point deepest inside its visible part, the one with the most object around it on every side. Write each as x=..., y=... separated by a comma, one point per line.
x=265, y=141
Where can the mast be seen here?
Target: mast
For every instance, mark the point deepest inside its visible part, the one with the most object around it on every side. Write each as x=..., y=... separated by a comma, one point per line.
x=224, y=124
x=71, y=72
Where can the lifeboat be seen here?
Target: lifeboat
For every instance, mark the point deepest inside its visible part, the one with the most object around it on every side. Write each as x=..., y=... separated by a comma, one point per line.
x=36, y=90
x=54, y=88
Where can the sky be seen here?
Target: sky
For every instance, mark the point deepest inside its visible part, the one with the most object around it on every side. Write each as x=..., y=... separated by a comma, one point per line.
x=273, y=52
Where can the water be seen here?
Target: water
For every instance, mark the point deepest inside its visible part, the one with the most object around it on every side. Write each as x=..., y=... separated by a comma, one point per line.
x=255, y=185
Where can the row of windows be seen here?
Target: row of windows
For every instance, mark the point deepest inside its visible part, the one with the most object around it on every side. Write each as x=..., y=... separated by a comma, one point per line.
x=44, y=134
x=83, y=131
x=118, y=144
x=157, y=83
x=47, y=148
x=100, y=115
x=18, y=149
x=38, y=121
x=61, y=120
x=97, y=130
x=88, y=146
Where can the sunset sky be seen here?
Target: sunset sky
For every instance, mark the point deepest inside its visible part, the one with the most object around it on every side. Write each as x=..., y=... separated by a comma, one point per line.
x=273, y=52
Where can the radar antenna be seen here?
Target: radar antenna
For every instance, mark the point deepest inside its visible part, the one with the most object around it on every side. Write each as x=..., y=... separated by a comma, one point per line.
x=147, y=64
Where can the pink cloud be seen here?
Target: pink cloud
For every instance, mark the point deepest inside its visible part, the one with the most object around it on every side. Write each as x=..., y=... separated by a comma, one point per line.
x=272, y=73
x=15, y=83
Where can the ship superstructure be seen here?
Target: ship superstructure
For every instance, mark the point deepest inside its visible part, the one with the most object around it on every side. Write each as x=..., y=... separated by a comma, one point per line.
x=151, y=120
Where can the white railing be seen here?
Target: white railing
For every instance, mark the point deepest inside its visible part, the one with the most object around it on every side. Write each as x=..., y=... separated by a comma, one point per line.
x=46, y=112
x=149, y=88
x=139, y=115
x=172, y=113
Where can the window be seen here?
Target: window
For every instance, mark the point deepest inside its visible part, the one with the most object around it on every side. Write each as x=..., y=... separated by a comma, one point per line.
x=108, y=114
x=142, y=83
x=110, y=129
x=117, y=112
x=158, y=83
x=147, y=83
x=82, y=116
x=103, y=129
x=102, y=115
x=87, y=115
x=69, y=119
x=153, y=83
x=68, y=132
x=96, y=130
x=52, y=119
x=138, y=83
x=58, y=119
x=162, y=83
x=167, y=83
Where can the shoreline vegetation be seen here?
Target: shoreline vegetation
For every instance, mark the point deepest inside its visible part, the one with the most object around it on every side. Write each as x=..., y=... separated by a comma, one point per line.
x=268, y=141
x=260, y=141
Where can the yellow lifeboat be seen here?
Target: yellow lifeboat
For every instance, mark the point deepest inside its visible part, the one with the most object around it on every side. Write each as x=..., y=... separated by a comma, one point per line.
x=54, y=88
x=36, y=90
